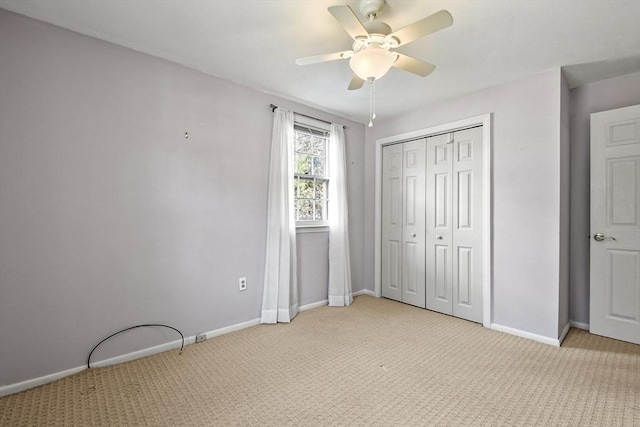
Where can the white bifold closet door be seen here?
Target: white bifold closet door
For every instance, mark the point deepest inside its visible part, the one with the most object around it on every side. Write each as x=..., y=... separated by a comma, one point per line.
x=454, y=224
x=403, y=222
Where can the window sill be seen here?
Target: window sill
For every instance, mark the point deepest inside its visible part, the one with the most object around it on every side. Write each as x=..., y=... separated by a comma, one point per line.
x=312, y=228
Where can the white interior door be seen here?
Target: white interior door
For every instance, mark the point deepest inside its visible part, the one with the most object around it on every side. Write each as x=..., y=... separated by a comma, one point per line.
x=403, y=216
x=392, y=229
x=467, y=224
x=615, y=224
x=439, y=233
x=413, y=256
x=454, y=224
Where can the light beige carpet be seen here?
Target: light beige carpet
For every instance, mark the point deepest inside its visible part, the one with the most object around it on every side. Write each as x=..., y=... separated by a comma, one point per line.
x=377, y=362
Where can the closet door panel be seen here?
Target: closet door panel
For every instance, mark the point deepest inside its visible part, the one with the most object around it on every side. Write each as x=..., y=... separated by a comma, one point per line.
x=441, y=271
x=413, y=255
x=392, y=218
x=439, y=224
x=467, y=224
x=464, y=276
x=464, y=207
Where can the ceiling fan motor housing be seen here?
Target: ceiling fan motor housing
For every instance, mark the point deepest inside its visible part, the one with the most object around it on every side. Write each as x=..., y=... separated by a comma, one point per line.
x=371, y=8
x=378, y=40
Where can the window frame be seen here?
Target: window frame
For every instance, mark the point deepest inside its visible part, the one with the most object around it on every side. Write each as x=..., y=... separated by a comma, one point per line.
x=315, y=128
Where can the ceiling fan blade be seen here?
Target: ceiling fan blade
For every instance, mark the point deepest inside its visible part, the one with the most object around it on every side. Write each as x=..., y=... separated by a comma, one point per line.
x=324, y=58
x=423, y=27
x=413, y=65
x=348, y=19
x=356, y=83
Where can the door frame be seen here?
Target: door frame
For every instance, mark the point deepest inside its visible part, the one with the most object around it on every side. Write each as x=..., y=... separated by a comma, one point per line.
x=485, y=121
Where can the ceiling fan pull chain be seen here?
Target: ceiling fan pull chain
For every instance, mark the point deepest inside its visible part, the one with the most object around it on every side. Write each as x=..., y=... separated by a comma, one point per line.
x=373, y=99
x=371, y=113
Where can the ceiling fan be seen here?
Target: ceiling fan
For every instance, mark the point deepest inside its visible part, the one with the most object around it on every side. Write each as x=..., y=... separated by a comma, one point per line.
x=371, y=55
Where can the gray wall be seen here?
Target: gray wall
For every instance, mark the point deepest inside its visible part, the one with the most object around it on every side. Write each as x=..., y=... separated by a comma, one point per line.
x=526, y=193
x=565, y=207
x=109, y=217
x=604, y=95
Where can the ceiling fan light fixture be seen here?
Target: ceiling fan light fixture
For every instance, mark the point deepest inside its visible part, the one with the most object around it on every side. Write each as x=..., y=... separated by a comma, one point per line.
x=372, y=63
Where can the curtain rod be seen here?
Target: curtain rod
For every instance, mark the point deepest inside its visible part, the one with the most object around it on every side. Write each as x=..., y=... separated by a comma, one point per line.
x=273, y=108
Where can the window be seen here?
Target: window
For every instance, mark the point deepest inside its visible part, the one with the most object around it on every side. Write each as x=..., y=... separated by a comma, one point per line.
x=311, y=175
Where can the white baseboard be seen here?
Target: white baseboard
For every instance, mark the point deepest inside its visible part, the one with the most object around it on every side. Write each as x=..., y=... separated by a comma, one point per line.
x=517, y=332
x=579, y=325
x=314, y=305
x=35, y=382
x=564, y=333
x=232, y=328
x=364, y=292
x=325, y=302
x=25, y=385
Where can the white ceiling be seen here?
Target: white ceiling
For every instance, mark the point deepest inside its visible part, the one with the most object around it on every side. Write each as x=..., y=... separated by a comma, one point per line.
x=255, y=43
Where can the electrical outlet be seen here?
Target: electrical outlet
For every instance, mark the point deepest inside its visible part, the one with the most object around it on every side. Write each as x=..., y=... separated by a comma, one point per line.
x=242, y=284
x=201, y=337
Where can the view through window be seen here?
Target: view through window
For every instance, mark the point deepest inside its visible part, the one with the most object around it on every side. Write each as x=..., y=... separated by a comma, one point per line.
x=311, y=176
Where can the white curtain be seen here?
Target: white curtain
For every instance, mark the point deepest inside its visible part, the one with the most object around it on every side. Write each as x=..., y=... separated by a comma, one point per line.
x=280, y=295
x=339, y=265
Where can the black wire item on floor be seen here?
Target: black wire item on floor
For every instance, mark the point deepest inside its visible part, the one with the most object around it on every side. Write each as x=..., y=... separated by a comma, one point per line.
x=128, y=329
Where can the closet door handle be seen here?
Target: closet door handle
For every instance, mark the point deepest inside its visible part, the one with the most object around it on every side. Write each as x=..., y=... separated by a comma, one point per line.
x=599, y=237
x=413, y=234
x=439, y=237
